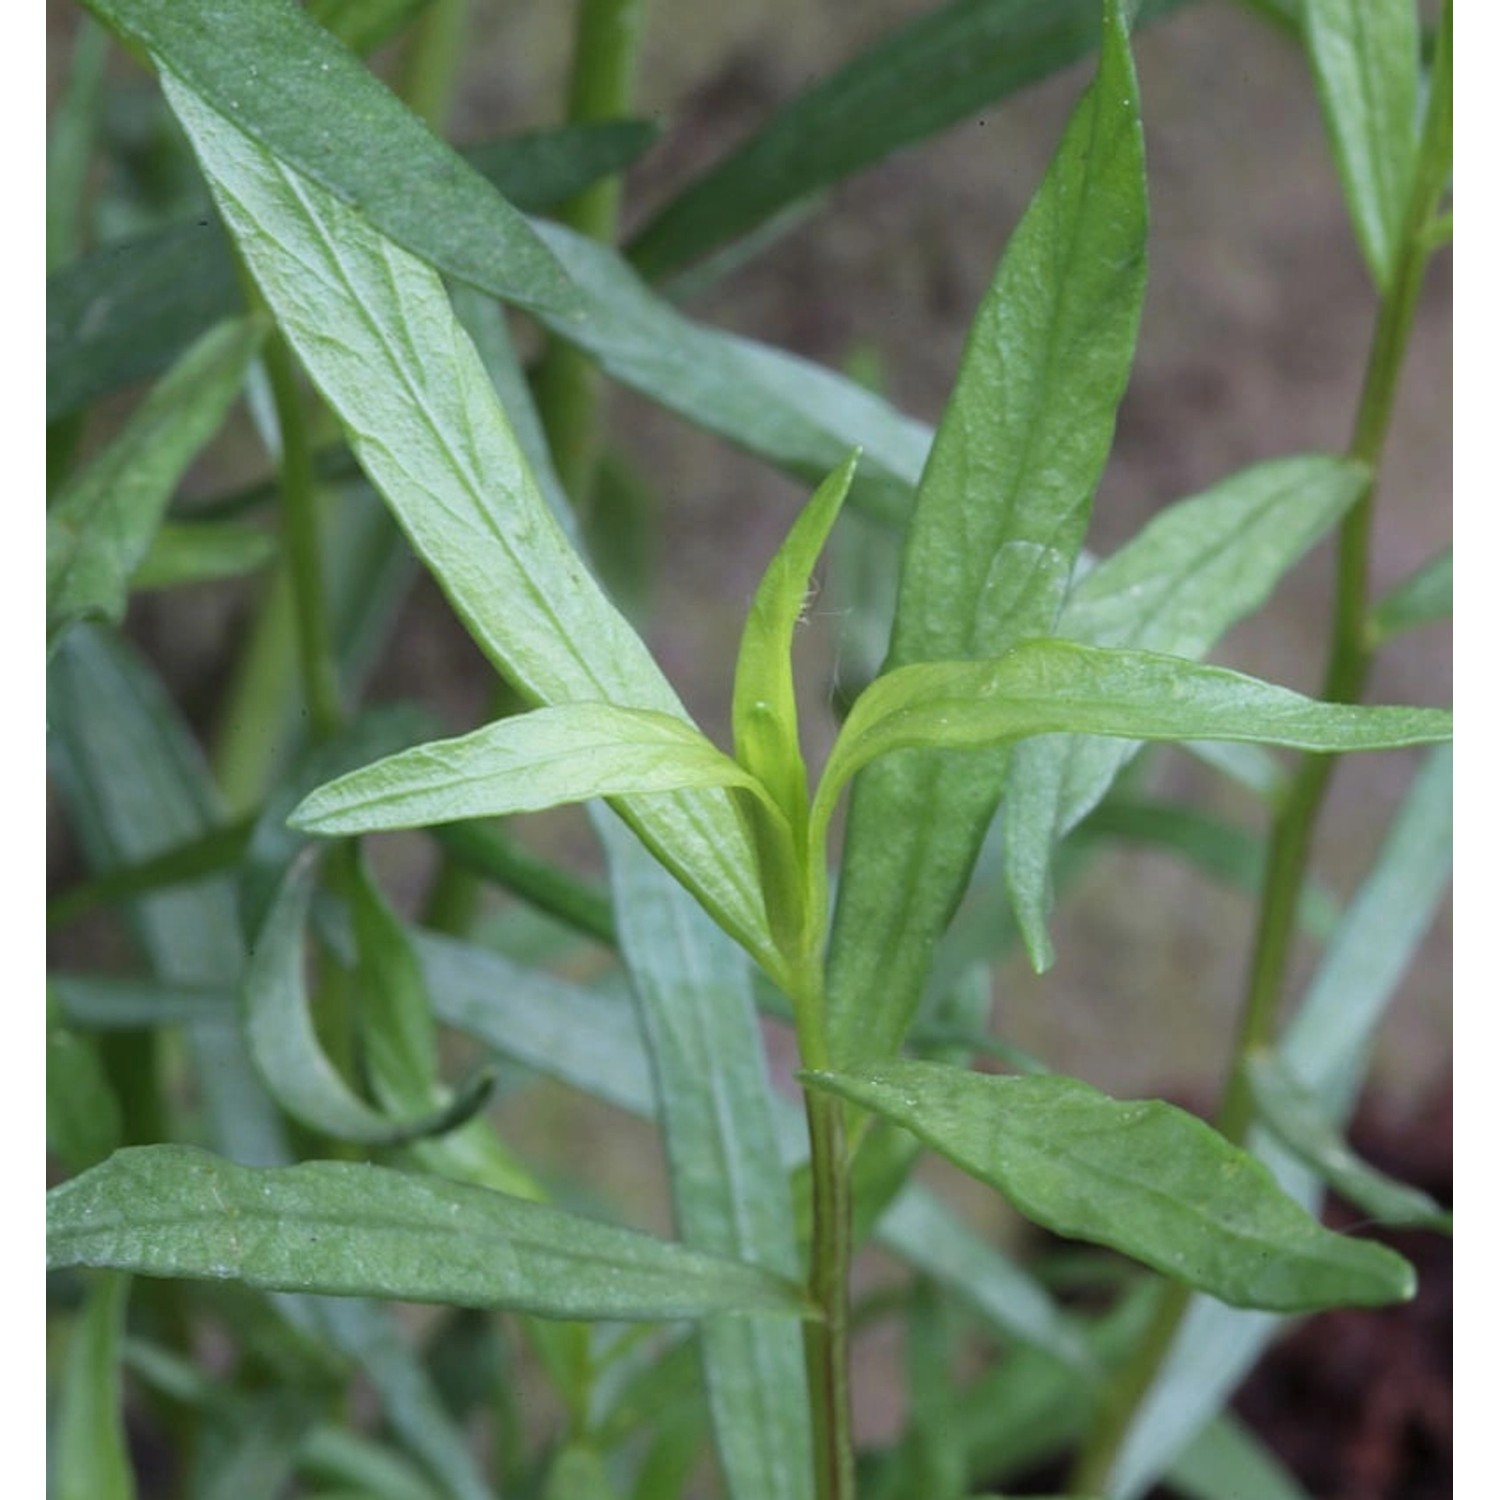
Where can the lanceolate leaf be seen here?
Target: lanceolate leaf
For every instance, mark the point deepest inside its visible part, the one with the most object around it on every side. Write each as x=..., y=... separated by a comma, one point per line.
x=1145, y=1178
x=1197, y=568
x=1293, y=1116
x=765, y=701
x=531, y=761
x=1053, y=686
x=1001, y=513
x=1365, y=57
x=203, y=552
x=912, y=83
x=376, y=332
x=730, y=1193
x=103, y=523
x=351, y=1230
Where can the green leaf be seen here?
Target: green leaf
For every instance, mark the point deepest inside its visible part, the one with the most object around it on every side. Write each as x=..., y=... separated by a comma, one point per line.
x=1147, y=1179
x=378, y=336
x=285, y=1046
x=92, y=1459
x=275, y=74
x=522, y=764
x=1364, y=55
x=1326, y=1049
x=1293, y=1115
x=729, y=1191
x=1054, y=686
x=578, y=1473
x=191, y=552
x=915, y=81
x=352, y=1230
x=766, y=742
x=103, y=522
x=1000, y=516
x=1196, y=569
x=1422, y=599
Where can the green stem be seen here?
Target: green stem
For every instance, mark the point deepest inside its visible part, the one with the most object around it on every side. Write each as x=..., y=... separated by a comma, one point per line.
x=1351, y=653
x=567, y=383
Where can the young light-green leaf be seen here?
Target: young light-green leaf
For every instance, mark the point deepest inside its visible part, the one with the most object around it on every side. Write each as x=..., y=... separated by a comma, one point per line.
x=1364, y=56
x=103, y=523
x=350, y=1230
x=550, y=756
x=1292, y=1115
x=1146, y=1178
x=1059, y=687
x=377, y=333
x=1195, y=570
x=1000, y=516
x=766, y=742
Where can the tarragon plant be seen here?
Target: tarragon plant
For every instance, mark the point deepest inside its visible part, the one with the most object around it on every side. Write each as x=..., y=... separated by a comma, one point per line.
x=277, y=1150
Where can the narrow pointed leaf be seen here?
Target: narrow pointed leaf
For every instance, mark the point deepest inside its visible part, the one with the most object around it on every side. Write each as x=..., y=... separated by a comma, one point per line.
x=531, y=761
x=1196, y=569
x=92, y=1459
x=766, y=742
x=378, y=335
x=83, y=1114
x=1054, y=686
x=1364, y=55
x=912, y=83
x=102, y=524
x=730, y=1193
x=1226, y=1458
x=350, y=1230
x=1000, y=516
x=1293, y=1116
x=285, y=1046
x=1422, y=599
x=1147, y=1179
x=70, y=143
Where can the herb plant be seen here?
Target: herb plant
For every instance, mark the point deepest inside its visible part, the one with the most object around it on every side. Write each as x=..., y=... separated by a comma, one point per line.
x=263, y=1127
